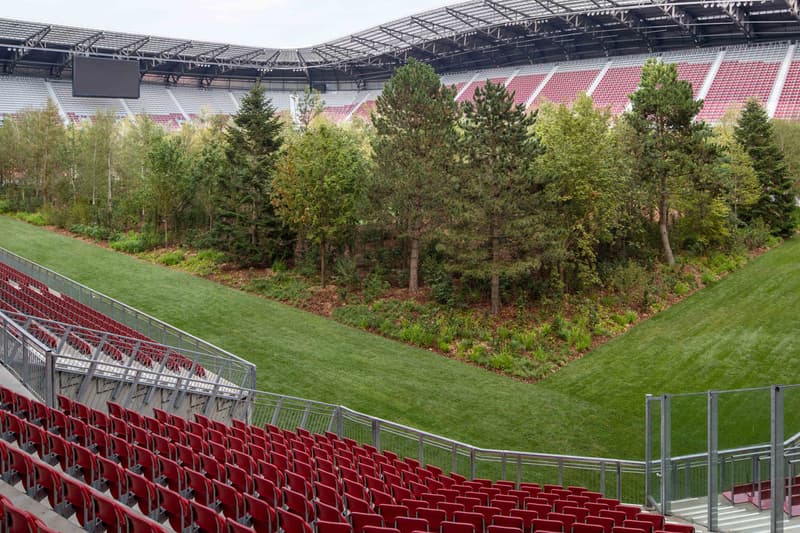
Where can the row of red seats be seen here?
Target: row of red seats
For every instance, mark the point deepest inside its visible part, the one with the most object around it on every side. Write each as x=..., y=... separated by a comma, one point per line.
x=34, y=298
x=296, y=481
x=16, y=520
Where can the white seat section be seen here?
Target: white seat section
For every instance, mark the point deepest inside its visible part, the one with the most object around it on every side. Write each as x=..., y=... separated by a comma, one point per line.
x=154, y=101
x=197, y=102
x=79, y=108
x=279, y=100
x=18, y=93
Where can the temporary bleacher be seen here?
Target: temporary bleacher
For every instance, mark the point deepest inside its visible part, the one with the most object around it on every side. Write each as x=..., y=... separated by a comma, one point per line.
x=196, y=102
x=18, y=93
x=80, y=328
x=569, y=80
x=746, y=72
x=95, y=357
x=79, y=109
x=118, y=470
x=154, y=101
x=620, y=80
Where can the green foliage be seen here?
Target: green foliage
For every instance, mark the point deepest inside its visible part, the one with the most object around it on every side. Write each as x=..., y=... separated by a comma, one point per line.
x=346, y=272
x=203, y=263
x=776, y=202
x=172, y=258
x=415, y=125
x=435, y=276
x=373, y=286
x=668, y=148
x=37, y=219
x=319, y=186
x=281, y=286
x=494, y=203
x=92, y=231
x=245, y=225
x=134, y=242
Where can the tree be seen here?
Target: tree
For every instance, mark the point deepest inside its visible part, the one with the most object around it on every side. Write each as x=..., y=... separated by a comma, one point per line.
x=308, y=106
x=41, y=140
x=662, y=116
x=494, y=200
x=415, y=123
x=777, y=200
x=319, y=186
x=580, y=167
x=245, y=224
x=168, y=185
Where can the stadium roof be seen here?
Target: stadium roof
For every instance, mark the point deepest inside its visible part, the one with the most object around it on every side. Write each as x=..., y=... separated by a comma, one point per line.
x=468, y=35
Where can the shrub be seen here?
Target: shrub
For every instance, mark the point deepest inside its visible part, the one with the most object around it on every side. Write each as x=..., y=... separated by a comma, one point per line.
x=438, y=279
x=374, y=286
x=5, y=206
x=681, y=288
x=171, y=258
x=134, y=243
x=359, y=316
x=204, y=262
x=37, y=219
x=283, y=287
x=346, y=272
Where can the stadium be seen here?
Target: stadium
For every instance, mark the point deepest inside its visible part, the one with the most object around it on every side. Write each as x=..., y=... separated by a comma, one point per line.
x=114, y=420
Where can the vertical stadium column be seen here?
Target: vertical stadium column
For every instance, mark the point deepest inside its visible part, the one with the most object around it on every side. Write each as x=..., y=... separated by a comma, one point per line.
x=712, y=465
x=777, y=478
x=666, y=455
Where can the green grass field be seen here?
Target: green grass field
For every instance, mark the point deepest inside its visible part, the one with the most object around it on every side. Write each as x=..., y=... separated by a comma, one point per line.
x=743, y=332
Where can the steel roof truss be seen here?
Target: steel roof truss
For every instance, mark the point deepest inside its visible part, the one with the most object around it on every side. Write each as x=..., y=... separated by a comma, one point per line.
x=739, y=18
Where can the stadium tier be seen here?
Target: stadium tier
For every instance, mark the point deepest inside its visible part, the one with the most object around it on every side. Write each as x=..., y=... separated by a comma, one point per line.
x=59, y=317
x=118, y=470
x=723, y=77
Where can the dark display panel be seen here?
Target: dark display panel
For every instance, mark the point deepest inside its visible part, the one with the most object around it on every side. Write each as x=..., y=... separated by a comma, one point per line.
x=109, y=78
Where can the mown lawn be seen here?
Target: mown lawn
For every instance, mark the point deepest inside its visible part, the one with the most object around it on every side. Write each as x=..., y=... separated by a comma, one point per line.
x=742, y=332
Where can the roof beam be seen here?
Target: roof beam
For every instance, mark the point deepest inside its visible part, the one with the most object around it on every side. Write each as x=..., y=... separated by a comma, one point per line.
x=682, y=18
x=88, y=42
x=402, y=37
x=794, y=7
x=636, y=24
x=212, y=54
x=247, y=56
x=587, y=25
x=739, y=18
x=36, y=38
x=174, y=51
x=133, y=47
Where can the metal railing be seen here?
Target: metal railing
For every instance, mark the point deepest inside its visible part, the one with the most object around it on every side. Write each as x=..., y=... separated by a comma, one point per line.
x=28, y=359
x=157, y=330
x=622, y=479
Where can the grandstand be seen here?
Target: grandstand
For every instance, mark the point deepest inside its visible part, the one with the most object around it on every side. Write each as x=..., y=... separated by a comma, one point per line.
x=137, y=426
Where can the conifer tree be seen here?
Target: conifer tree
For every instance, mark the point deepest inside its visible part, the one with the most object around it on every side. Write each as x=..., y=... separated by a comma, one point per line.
x=494, y=203
x=777, y=201
x=245, y=224
x=415, y=122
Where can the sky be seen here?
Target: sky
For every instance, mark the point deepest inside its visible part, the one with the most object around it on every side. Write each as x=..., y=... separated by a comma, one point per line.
x=262, y=23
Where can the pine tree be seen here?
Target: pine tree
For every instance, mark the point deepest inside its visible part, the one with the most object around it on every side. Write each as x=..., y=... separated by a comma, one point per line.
x=776, y=202
x=494, y=203
x=245, y=224
x=415, y=122
x=662, y=118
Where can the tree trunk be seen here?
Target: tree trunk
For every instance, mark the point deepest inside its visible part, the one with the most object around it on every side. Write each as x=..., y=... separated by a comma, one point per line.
x=413, y=266
x=299, y=248
x=495, y=276
x=663, y=219
x=322, y=262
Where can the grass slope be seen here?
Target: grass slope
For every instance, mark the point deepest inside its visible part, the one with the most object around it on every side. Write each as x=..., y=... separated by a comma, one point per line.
x=742, y=332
